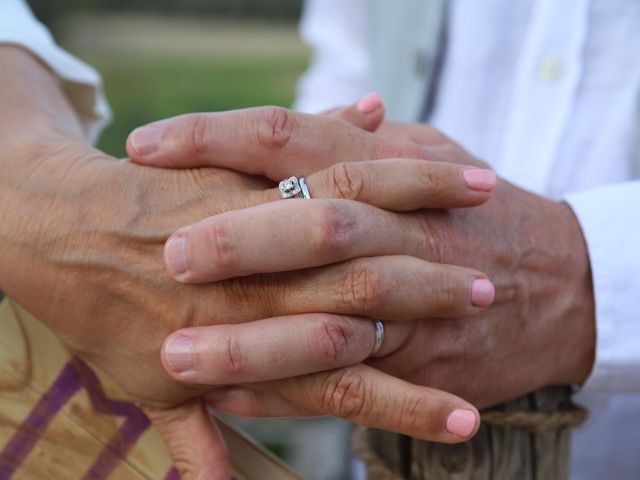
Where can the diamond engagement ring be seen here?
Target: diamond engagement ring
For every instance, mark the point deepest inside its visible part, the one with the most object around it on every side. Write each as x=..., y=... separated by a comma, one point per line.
x=293, y=187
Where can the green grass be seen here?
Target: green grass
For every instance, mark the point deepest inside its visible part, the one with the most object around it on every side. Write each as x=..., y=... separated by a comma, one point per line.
x=143, y=91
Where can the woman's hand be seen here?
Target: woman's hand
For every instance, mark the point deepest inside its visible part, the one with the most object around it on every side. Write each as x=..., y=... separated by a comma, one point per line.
x=542, y=276
x=371, y=257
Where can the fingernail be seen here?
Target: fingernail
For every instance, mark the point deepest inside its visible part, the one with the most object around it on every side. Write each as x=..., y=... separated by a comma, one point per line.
x=480, y=179
x=482, y=293
x=461, y=423
x=146, y=140
x=370, y=103
x=176, y=255
x=178, y=352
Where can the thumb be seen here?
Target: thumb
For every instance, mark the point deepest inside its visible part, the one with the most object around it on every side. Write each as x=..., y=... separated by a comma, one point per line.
x=193, y=440
x=367, y=114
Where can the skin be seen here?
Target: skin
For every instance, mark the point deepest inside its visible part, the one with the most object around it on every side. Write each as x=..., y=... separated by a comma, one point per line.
x=83, y=235
x=539, y=331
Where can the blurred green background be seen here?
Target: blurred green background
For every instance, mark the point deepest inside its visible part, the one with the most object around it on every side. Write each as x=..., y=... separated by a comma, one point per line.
x=168, y=57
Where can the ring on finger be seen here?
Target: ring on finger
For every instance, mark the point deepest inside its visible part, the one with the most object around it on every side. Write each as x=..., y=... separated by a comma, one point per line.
x=293, y=187
x=379, y=329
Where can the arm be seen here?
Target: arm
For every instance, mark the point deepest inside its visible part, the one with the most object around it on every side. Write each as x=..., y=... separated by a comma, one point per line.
x=52, y=187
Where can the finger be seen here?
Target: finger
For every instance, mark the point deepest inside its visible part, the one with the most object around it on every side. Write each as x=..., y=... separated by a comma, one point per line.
x=403, y=184
x=397, y=288
x=246, y=242
x=193, y=440
x=307, y=234
x=274, y=348
x=266, y=141
x=248, y=403
x=370, y=397
x=367, y=114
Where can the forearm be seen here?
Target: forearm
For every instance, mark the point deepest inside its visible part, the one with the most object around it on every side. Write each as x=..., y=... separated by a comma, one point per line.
x=37, y=122
x=34, y=107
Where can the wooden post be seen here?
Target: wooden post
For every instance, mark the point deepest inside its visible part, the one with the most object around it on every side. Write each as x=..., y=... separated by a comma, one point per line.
x=538, y=452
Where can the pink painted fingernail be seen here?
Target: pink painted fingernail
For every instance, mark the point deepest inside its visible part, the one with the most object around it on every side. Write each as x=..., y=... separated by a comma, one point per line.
x=178, y=352
x=480, y=179
x=146, y=140
x=370, y=103
x=482, y=293
x=461, y=423
x=175, y=254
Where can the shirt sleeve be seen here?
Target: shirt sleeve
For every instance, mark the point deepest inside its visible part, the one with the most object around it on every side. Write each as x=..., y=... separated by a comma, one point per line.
x=81, y=83
x=336, y=31
x=610, y=220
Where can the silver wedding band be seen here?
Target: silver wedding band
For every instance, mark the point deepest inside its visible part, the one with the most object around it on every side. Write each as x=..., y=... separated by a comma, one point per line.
x=293, y=187
x=305, y=190
x=379, y=326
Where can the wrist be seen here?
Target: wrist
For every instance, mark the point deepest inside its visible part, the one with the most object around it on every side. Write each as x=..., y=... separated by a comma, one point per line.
x=551, y=290
x=576, y=313
x=40, y=173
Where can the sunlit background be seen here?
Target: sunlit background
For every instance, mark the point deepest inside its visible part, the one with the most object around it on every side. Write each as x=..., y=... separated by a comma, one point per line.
x=166, y=57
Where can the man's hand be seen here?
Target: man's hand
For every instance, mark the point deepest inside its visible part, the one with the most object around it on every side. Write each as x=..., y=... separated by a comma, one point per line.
x=531, y=247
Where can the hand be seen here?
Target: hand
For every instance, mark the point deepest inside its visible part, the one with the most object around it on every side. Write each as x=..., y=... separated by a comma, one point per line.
x=531, y=246
x=83, y=231
x=441, y=185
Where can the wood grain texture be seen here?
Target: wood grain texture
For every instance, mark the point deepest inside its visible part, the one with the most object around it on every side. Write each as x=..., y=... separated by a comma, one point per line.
x=60, y=419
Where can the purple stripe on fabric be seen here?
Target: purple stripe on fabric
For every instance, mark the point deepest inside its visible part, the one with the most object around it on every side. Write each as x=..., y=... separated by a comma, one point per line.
x=172, y=474
x=136, y=422
x=24, y=439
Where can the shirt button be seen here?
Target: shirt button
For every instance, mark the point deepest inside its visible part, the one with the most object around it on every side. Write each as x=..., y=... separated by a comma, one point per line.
x=550, y=69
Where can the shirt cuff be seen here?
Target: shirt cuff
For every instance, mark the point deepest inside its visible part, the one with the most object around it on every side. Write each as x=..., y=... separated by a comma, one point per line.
x=81, y=83
x=611, y=226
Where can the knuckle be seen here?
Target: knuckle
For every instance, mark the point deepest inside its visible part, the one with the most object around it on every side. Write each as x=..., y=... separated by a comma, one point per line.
x=333, y=339
x=198, y=129
x=364, y=288
x=435, y=237
x=347, y=395
x=415, y=415
x=228, y=359
x=348, y=181
x=427, y=176
x=411, y=412
x=446, y=292
x=222, y=250
x=275, y=127
x=333, y=231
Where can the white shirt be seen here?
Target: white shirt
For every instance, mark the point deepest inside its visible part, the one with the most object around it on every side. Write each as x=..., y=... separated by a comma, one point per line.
x=548, y=92
x=81, y=83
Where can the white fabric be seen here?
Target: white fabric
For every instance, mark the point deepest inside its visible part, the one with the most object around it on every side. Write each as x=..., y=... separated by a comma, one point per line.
x=548, y=92
x=81, y=83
